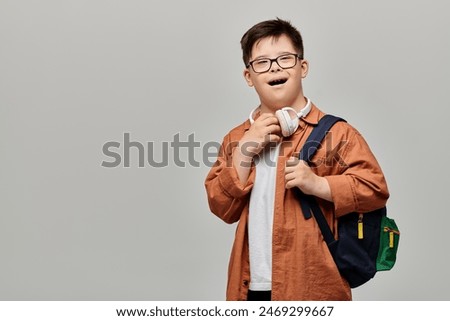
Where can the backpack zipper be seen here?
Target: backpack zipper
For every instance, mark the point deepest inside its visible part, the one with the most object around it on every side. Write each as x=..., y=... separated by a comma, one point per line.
x=391, y=235
x=360, y=227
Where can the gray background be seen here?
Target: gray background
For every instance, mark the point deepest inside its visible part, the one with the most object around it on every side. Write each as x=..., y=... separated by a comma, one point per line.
x=77, y=74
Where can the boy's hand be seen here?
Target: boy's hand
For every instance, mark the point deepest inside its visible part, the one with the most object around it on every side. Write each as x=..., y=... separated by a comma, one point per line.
x=264, y=130
x=299, y=174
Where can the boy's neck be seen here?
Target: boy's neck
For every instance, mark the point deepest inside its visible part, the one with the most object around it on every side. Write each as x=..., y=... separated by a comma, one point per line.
x=298, y=104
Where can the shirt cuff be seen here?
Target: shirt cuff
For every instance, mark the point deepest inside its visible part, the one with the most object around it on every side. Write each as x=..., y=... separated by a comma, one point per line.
x=343, y=194
x=231, y=185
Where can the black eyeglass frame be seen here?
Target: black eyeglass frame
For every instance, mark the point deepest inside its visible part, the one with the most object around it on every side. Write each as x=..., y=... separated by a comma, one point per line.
x=297, y=57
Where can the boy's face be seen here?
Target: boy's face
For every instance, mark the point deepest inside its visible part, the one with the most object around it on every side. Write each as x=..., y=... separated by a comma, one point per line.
x=287, y=91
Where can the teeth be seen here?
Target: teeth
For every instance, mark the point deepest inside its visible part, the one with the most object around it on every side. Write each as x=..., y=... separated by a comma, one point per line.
x=277, y=82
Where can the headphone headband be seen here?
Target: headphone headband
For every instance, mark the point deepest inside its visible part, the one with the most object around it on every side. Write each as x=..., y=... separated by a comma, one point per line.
x=302, y=113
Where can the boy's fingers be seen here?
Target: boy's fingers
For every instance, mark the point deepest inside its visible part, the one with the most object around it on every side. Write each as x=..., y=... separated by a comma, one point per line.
x=288, y=170
x=269, y=119
x=274, y=129
x=274, y=138
x=289, y=176
x=292, y=162
x=267, y=116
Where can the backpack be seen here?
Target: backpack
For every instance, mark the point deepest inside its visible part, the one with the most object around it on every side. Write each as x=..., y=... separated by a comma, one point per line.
x=367, y=242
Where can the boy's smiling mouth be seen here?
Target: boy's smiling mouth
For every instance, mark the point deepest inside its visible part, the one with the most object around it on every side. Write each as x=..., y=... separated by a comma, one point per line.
x=277, y=82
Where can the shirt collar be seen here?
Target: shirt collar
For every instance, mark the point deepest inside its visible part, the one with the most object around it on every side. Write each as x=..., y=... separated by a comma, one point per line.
x=313, y=116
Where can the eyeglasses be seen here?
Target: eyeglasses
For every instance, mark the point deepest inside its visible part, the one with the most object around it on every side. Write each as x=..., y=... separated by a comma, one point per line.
x=264, y=64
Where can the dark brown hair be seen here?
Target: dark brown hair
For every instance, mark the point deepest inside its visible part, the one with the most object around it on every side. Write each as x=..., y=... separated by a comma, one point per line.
x=270, y=28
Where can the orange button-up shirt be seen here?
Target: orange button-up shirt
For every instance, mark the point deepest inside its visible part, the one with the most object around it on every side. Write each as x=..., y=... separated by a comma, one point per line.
x=302, y=266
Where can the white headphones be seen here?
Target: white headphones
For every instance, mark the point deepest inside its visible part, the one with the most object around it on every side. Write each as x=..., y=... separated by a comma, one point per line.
x=288, y=123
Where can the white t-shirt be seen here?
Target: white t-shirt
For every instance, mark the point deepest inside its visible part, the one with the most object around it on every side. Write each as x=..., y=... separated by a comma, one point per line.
x=260, y=223
x=262, y=199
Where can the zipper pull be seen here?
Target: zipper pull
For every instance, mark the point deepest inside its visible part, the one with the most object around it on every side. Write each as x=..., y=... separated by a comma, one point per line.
x=391, y=235
x=360, y=227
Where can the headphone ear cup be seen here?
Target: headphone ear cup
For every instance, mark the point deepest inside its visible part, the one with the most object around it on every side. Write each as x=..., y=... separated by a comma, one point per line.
x=287, y=124
x=280, y=114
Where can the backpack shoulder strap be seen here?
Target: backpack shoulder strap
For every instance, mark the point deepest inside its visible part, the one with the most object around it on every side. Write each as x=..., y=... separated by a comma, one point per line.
x=308, y=150
x=317, y=135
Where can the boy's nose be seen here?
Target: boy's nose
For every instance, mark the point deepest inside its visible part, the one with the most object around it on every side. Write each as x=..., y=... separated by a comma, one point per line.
x=275, y=67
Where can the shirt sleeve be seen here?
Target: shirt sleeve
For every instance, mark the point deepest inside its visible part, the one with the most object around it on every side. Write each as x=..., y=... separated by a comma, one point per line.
x=227, y=196
x=361, y=185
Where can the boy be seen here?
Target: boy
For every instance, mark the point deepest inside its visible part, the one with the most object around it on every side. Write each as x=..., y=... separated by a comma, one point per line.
x=277, y=253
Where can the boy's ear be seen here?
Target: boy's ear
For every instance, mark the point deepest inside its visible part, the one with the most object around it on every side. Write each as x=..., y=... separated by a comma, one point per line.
x=305, y=68
x=247, y=77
